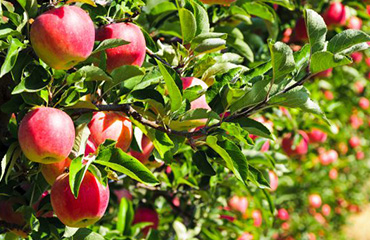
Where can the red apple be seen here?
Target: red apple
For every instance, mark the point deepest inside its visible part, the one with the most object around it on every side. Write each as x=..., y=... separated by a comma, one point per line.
x=285, y=226
x=63, y=37
x=8, y=215
x=328, y=95
x=122, y=193
x=356, y=57
x=246, y=236
x=367, y=61
x=300, y=149
x=147, y=149
x=90, y=147
x=143, y=214
x=354, y=141
x=239, y=204
x=283, y=214
x=335, y=14
x=286, y=35
x=333, y=173
x=54, y=170
x=201, y=101
x=223, y=2
x=320, y=218
x=359, y=87
x=129, y=54
x=273, y=180
x=257, y=218
x=325, y=74
x=368, y=9
x=314, y=200
x=266, y=146
x=355, y=121
x=311, y=236
x=227, y=217
x=87, y=209
x=111, y=125
x=317, y=136
x=354, y=23
x=360, y=155
x=326, y=209
x=46, y=135
x=301, y=31
x=364, y=103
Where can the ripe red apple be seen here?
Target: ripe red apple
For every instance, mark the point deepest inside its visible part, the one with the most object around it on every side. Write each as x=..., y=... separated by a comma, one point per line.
x=63, y=37
x=46, y=135
x=300, y=149
x=325, y=74
x=354, y=23
x=314, y=200
x=328, y=95
x=201, y=101
x=335, y=15
x=223, y=2
x=354, y=141
x=239, y=204
x=273, y=180
x=367, y=61
x=364, y=103
x=285, y=226
x=326, y=209
x=111, y=125
x=246, y=236
x=8, y=215
x=300, y=30
x=87, y=209
x=122, y=193
x=147, y=149
x=257, y=218
x=144, y=214
x=283, y=214
x=333, y=174
x=54, y=170
x=355, y=121
x=356, y=57
x=130, y=54
x=317, y=136
x=286, y=35
x=360, y=155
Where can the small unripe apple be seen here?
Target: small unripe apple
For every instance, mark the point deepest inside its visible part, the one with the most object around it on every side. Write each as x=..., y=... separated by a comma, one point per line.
x=111, y=125
x=283, y=214
x=300, y=149
x=54, y=170
x=354, y=141
x=333, y=174
x=314, y=200
x=257, y=218
x=335, y=15
x=87, y=208
x=239, y=204
x=326, y=209
x=317, y=136
x=46, y=135
x=301, y=31
x=273, y=180
x=364, y=103
x=246, y=236
x=222, y=2
x=354, y=23
x=356, y=57
x=129, y=54
x=63, y=37
x=144, y=214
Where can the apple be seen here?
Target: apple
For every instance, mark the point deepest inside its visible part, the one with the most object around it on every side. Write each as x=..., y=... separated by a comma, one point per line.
x=46, y=135
x=201, y=101
x=286, y=35
x=40, y=212
x=223, y=2
x=8, y=215
x=266, y=146
x=273, y=180
x=333, y=174
x=326, y=209
x=283, y=214
x=356, y=57
x=63, y=37
x=300, y=149
x=147, y=149
x=354, y=141
x=90, y=147
x=257, y=218
x=325, y=74
x=285, y=226
x=354, y=23
x=87, y=208
x=359, y=87
x=320, y=218
x=111, y=125
x=311, y=236
x=300, y=30
x=129, y=54
x=364, y=103
x=367, y=61
x=360, y=155
x=314, y=200
x=368, y=9
x=317, y=136
x=144, y=214
x=246, y=236
x=122, y=193
x=54, y=170
x=239, y=204
x=355, y=121
x=328, y=95
x=335, y=15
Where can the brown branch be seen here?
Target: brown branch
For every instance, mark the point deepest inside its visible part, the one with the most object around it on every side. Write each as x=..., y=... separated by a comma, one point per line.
x=154, y=56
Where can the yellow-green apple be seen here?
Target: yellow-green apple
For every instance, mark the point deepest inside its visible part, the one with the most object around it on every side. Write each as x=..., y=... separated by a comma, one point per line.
x=283, y=214
x=63, y=37
x=314, y=200
x=46, y=135
x=201, y=101
x=257, y=218
x=335, y=15
x=273, y=180
x=111, y=125
x=239, y=204
x=87, y=208
x=129, y=54
x=298, y=150
x=144, y=214
x=326, y=209
x=317, y=136
x=54, y=170
x=223, y=2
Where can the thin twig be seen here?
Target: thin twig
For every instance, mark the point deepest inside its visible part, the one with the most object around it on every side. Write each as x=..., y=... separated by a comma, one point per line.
x=154, y=56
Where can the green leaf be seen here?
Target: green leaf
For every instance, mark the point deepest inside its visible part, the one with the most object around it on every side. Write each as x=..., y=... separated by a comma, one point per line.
x=34, y=79
x=199, y=113
x=11, y=56
x=76, y=174
x=30, y=6
x=86, y=234
x=236, y=131
x=321, y=61
x=109, y=43
x=173, y=89
x=118, y=160
x=188, y=25
x=234, y=158
x=6, y=159
x=254, y=127
x=258, y=9
x=92, y=73
x=82, y=134
x=257, y=178
x=282, y=59
x=316, y=30
x=200, y=160
x=289, y=4
x=201, y=18
x=70, y=97
x=210, y=45
x=347, y=39
x=125, y=216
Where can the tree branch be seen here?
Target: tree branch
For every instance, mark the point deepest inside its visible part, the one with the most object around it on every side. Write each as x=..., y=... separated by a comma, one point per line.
x=154, y=56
